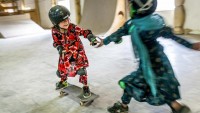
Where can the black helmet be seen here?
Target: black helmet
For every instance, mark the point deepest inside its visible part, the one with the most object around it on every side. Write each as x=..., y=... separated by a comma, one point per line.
x=58, y=13
x=142, y=8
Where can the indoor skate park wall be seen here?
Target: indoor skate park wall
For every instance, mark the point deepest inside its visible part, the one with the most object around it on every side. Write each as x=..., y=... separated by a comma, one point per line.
x=186, y=19
x=98, y=15
x=192, y=16
x=20, y=23
x=103, y=16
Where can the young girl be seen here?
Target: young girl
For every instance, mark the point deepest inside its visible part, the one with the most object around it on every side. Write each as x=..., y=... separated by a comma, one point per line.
x=154, y=82
x=72, y=57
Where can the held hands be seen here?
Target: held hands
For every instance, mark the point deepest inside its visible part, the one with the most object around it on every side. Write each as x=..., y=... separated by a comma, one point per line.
x=196, y=46
x=99, y=42
x=95, y=41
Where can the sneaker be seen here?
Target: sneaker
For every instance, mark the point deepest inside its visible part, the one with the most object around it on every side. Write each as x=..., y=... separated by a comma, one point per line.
x=86, y=92
x=61, y=84
x=184, y=109
x=118, y=108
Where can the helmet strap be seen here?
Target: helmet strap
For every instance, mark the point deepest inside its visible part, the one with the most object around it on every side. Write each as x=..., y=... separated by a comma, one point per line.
x=144, y=7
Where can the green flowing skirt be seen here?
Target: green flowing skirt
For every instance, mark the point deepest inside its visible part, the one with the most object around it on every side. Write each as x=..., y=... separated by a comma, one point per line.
x=166, y=82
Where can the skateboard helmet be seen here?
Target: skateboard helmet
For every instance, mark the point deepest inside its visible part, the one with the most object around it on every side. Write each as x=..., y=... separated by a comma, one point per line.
x=141, y=8
x=58, y=13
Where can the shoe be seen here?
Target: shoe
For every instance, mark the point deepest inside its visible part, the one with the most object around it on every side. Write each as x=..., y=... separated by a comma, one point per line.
x=118, y=108
x=61, y=84
x=86, y=92
x=183, y=109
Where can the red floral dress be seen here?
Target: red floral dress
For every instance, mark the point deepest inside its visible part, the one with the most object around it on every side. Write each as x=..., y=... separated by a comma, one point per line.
x=74, y=58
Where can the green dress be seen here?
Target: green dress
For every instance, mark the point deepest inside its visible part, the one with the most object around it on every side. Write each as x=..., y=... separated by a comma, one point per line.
x=162, y=86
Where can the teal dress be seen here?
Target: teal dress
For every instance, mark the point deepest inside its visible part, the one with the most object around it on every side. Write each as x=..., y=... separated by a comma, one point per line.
x=154, y=81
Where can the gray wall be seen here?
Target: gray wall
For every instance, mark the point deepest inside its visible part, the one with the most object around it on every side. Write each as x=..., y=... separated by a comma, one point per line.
x=98, y=15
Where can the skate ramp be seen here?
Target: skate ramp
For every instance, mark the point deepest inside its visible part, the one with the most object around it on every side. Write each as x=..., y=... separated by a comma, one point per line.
x=119, y=18
x=18, y=25
x=103, y=16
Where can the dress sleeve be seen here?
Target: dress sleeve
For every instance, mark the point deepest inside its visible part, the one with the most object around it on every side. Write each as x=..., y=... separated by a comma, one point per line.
x=166, y=32
x=81, y=32
x=56, y=38
x=116, y=35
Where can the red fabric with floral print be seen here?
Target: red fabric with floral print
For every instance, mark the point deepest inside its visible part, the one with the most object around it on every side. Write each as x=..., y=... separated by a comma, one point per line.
x=74, y=58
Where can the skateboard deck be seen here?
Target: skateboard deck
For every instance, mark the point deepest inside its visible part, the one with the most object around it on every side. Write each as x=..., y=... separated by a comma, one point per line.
x=75, y=93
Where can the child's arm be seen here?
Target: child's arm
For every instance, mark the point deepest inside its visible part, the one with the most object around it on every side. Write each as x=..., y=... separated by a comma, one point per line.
x=57, y=41
x=166, y=32
x=86, y=34
x=82, y=32
x=116, y=36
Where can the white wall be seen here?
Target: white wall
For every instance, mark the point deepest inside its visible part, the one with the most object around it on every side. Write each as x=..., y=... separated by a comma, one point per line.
x=44, y=6
x=163, y=5
x=166, y=9
x=168, y=17
x=192, y=8
x=29, y=4
x=82, y=5
x=72, y=11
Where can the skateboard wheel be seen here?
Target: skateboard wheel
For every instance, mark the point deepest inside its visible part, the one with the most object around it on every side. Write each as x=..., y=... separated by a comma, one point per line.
x=62, y=93
x=81, y=103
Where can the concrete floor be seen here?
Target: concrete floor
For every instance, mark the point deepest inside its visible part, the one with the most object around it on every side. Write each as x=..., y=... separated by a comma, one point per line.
x=18, y=25
x=27, y=76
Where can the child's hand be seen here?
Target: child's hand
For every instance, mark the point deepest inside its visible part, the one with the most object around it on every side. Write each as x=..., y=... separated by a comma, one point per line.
x=99, y=42
x=95, y=41
x=60, y=49
x=196, y=46
x=118, y=41
x=92, y=39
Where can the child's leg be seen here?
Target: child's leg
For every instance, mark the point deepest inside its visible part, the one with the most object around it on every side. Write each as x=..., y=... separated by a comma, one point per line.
x=83, y=79
x=126, y=98
x=83, y=76
x=121, y=106
x=63, y=82
x=179, y=108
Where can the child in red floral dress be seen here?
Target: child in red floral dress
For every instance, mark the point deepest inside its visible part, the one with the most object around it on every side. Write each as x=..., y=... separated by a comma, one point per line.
x=72, y=57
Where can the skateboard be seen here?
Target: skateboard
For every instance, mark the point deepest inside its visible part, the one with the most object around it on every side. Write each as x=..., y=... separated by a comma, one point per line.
x=73, y=92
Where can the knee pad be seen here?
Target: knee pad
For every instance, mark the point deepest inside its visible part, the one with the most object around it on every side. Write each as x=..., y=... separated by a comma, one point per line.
x=81, y=71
